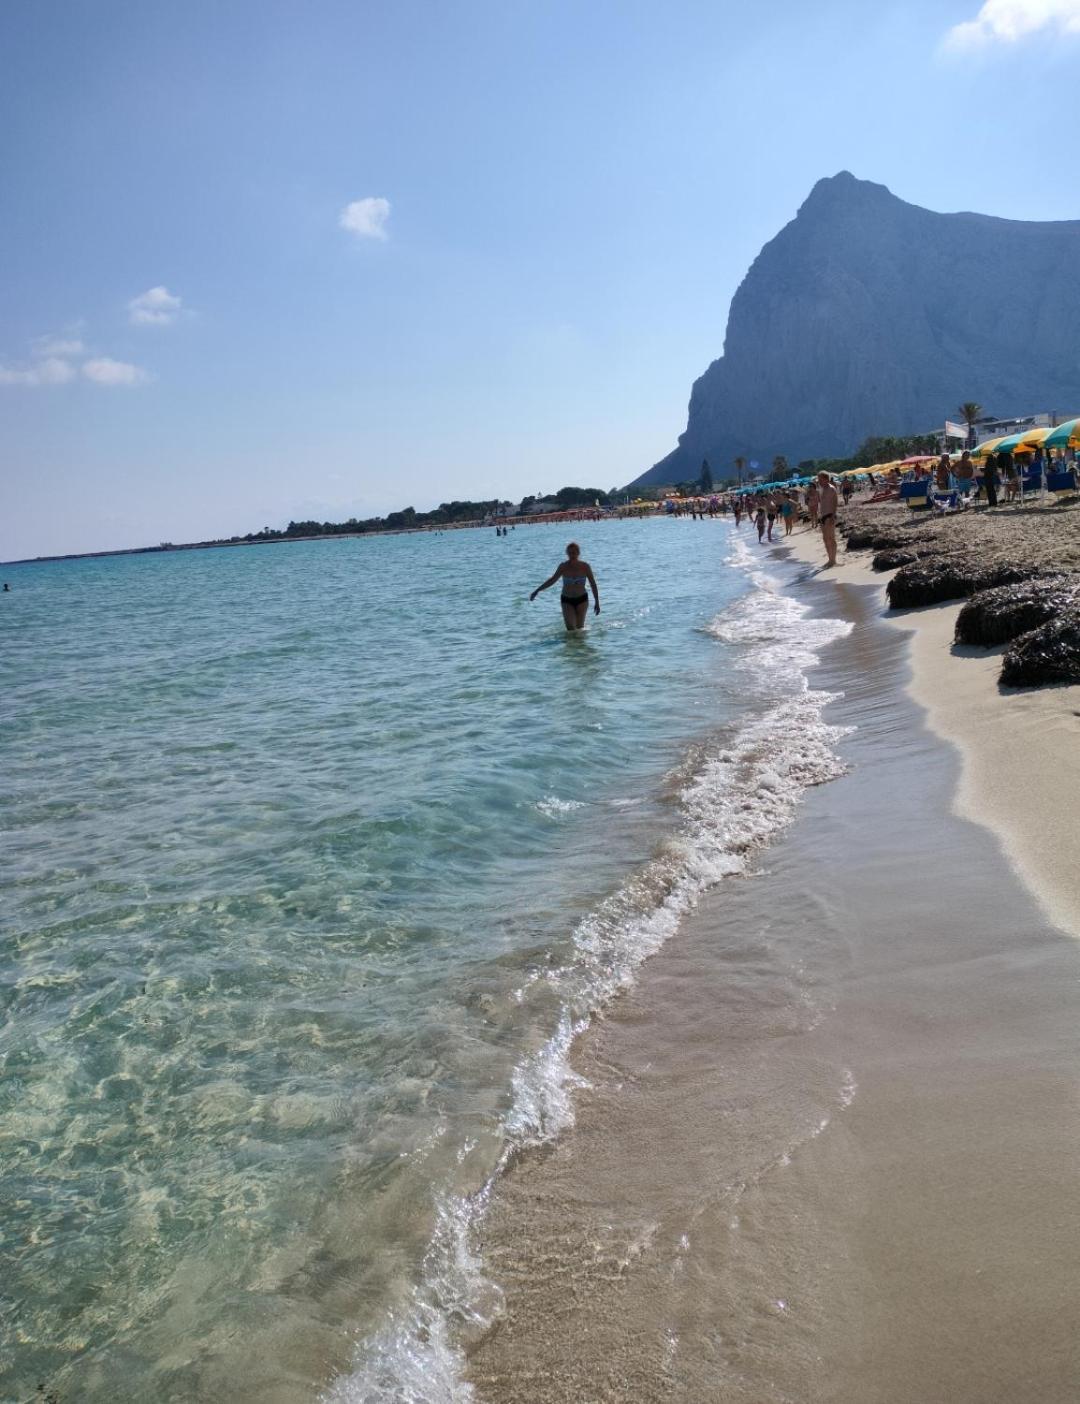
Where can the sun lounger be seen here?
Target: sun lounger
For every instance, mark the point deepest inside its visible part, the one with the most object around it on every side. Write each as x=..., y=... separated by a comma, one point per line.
x=916, y=494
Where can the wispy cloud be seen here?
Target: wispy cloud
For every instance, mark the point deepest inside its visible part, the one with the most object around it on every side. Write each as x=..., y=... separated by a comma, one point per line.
x=156, y=307
x=103, y=370
x=65, y=346
x=58, y=360
x=1008, y=21
x=46, y=370
x=366, y=218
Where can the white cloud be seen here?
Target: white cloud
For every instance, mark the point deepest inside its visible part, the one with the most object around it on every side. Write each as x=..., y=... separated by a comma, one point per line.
x=45, y=370
x=157, y=307
x=64, y=346
x=55, y=360
x=103, y=370
x=366, y=218
x=1007, y=21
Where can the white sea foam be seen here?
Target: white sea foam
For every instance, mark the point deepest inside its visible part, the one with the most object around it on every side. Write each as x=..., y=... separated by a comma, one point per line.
x=737, y=800
x=552, y=807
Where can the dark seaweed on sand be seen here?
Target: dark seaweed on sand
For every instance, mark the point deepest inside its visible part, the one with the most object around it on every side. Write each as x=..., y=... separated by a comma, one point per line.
x=953, y=577
x=876, y=538
x=1049, y=654
x=889, y=560
x=1020, y=569
x=1000, y=615
x=905, y=555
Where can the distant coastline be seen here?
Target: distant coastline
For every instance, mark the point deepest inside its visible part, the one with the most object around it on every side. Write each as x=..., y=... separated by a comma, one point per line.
x=568, y=504
x=169, y=547
x=281, y=539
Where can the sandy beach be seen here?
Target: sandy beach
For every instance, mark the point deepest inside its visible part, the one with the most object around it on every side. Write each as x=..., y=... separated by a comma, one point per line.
x=1020, y=748
x=824, y=1149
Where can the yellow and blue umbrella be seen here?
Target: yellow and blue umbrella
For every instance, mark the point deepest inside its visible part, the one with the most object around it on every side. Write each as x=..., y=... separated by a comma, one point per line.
x=988, y=446
x=1012, y=443
x=1066, y=435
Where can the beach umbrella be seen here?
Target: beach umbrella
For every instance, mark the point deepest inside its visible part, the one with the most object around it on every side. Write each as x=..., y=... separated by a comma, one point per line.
x=1020, y=443
x=1066, y=435
x=988, y=446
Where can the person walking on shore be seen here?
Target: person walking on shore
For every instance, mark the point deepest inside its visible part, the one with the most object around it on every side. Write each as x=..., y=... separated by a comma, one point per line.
x=990, y=479
x=574, y=574
x=759, y=520
x=812, y=503
x=827, y=504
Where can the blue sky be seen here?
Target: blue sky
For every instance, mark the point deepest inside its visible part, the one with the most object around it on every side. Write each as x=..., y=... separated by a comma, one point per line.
x=267, y=260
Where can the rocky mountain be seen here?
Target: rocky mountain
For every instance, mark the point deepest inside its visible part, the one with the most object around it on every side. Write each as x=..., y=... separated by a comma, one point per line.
x=866, y=315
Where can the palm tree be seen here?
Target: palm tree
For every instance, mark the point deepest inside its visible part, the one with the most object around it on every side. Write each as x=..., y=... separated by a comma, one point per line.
x=970, y=413
x=740, y=465
x=779, y=467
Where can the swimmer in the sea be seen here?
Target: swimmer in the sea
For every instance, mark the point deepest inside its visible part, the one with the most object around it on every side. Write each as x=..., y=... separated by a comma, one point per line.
x=575, y=574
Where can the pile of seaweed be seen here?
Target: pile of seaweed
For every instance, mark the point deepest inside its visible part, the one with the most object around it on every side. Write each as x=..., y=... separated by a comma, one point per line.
x=1002, y=614
x=934, y=579
x=905, y=555
x=1021, y=582
x=874, y=537
x=1048, y=654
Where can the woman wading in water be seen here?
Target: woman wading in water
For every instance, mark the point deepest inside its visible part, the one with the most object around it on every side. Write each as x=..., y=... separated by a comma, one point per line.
x=574, y=574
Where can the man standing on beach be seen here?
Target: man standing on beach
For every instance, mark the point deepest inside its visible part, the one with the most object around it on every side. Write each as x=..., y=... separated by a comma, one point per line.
x=827, y=505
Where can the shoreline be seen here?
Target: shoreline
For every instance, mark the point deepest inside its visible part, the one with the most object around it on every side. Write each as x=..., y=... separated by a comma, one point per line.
x=1019, y=748
x=823, y=1144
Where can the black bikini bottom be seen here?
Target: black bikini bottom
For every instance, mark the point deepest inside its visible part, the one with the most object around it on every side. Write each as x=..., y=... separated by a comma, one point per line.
x=575, y=601
x=827, y=517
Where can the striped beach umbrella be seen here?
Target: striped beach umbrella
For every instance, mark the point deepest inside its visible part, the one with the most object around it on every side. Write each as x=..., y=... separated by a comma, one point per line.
x=1012, y=443
x=1066, y=435
x=1023, y=443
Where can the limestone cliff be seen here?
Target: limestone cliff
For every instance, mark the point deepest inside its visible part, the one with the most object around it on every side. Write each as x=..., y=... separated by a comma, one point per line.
x=867, y=315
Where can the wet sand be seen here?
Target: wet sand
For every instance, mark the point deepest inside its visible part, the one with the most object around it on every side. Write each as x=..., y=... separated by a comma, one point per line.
x=827, y=1151
x=1019, y=748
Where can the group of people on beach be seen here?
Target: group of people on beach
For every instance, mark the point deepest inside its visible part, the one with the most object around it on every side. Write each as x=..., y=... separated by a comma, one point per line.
x=820, y=501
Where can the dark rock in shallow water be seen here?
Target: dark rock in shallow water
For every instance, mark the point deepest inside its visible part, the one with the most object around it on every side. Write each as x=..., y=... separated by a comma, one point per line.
x=1049, y=654
x=936, y=579
x=997, y=616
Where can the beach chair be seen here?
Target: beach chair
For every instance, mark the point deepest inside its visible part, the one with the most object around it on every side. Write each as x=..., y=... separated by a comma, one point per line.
x=916, y=494
x=943, y=502
x=1059, y=483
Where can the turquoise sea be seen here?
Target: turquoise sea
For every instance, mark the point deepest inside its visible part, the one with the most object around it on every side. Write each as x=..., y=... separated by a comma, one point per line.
x=316, y=856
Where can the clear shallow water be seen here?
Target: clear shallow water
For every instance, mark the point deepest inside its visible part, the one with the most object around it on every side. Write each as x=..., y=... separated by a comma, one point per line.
x=315, y=858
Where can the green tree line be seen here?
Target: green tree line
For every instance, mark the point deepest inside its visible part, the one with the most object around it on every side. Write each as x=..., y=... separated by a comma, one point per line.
x=446, y=514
